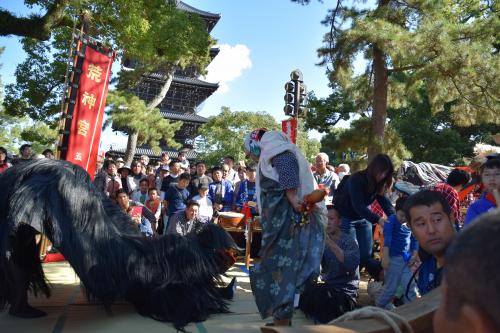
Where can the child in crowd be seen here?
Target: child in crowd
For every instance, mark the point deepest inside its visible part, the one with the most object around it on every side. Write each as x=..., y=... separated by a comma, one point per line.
x=205, y=211
x=490, y=178
x=400, y=249
x=141, y=194
x=154, y=204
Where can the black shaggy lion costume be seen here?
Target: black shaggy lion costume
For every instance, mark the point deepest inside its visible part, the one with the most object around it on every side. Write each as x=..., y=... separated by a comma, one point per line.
x=169, y=278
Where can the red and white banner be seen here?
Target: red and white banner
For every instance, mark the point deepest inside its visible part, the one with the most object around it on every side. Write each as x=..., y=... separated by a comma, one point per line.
x=86, y=125
x=289, y=127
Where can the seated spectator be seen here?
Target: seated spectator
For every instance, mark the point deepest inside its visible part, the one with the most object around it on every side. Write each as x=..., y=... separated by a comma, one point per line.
x=185, y=221
x=220, y=192
x=246, y=191
x=399, y=248
x=153, y=203
x=470, y=290
x=490, y=178
x=340, y=273
x=430, y=219
x=4, y=164
x=177, y=195
x=108, y=181
x=48, y=153
x=139, y=214
x=141, y=194
x=206, y=210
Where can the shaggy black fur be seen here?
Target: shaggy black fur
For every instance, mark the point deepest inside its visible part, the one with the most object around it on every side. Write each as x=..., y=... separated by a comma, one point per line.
x=170, y=278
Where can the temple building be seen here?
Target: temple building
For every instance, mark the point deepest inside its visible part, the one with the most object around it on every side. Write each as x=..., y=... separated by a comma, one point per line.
x=183, y=98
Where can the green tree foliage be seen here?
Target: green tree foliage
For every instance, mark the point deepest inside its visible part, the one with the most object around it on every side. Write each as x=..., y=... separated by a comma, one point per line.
x=130, y=114
x=154, y=33
x=324, y=113
x=449, y=48
x=17, y=130
x=355, y=140
x=309, y=147
x=435, y=137
x=224, y=133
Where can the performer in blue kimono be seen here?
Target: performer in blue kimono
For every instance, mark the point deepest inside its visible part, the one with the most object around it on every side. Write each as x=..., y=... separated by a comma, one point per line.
x=292, y=247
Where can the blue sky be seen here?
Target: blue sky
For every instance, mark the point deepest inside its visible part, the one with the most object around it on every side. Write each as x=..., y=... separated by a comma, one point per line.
x=261, y=42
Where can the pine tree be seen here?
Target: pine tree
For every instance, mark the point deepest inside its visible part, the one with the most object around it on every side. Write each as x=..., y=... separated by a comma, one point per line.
x=449, y=48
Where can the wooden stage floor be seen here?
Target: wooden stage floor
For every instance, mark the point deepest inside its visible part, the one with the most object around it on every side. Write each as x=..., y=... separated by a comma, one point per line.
x=69, y=311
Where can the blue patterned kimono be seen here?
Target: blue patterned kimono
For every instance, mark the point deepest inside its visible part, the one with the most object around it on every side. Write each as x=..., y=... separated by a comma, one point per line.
x=290, y=253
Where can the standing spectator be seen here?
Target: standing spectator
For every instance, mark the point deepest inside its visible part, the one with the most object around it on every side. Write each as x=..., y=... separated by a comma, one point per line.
x=124, y=172
x=177, y=195
x=25, y=153
x=206, y=208
x=199, y=178
x=490, y=178
x=291, y=251
x=338, y=294
x=172, y=178
x=141, y=194
x=220, y=192
x=429, y=215
x=184, y=163
x=323, y=176
x=242, y=176
x=4, y=165
x=454, y=182
x=186, y=220
x=139, y=214
x=144, y=159
x=48, y=153
x=353, y=198
x=164, y=162
x=232, y=175
x=154, y=205
x=151, y=176
x=343, y=170
x=119, y=163
x=160, y=176
x=136, y=175
x=400, y=251
x=108, y=182
x=247, y=191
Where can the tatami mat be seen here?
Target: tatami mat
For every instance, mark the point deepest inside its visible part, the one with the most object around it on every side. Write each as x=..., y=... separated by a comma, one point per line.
x=69, y=311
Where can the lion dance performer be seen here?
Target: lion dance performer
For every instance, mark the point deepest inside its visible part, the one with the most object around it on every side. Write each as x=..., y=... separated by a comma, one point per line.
x=169, y=278
x=292, y=240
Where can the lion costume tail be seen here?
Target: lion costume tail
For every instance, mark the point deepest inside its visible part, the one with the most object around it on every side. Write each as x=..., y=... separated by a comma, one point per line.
x=169, y=278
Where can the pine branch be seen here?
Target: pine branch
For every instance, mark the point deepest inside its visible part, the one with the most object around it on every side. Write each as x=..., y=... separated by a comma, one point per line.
x=38, y=27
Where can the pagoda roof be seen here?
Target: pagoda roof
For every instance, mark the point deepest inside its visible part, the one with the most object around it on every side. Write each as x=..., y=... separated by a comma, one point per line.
x=172, y=153
x=188, y=117
x=214, y=51
x=194, y=81
x=190, y=9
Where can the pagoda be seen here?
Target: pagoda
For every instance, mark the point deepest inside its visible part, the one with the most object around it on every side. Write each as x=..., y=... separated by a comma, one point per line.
x=181, y=102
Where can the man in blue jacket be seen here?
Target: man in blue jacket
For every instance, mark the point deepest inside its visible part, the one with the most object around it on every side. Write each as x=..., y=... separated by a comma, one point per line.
x=429, y=215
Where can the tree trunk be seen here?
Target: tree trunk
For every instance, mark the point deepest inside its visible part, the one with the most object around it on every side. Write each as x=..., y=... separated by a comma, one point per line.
x=132, y=138
x=131, y=146
x=379, y=113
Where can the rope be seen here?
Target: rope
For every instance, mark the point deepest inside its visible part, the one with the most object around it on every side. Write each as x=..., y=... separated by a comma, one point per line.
x=369, y=312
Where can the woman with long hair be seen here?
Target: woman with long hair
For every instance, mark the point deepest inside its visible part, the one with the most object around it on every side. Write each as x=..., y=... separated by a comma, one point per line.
x=354, y=196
